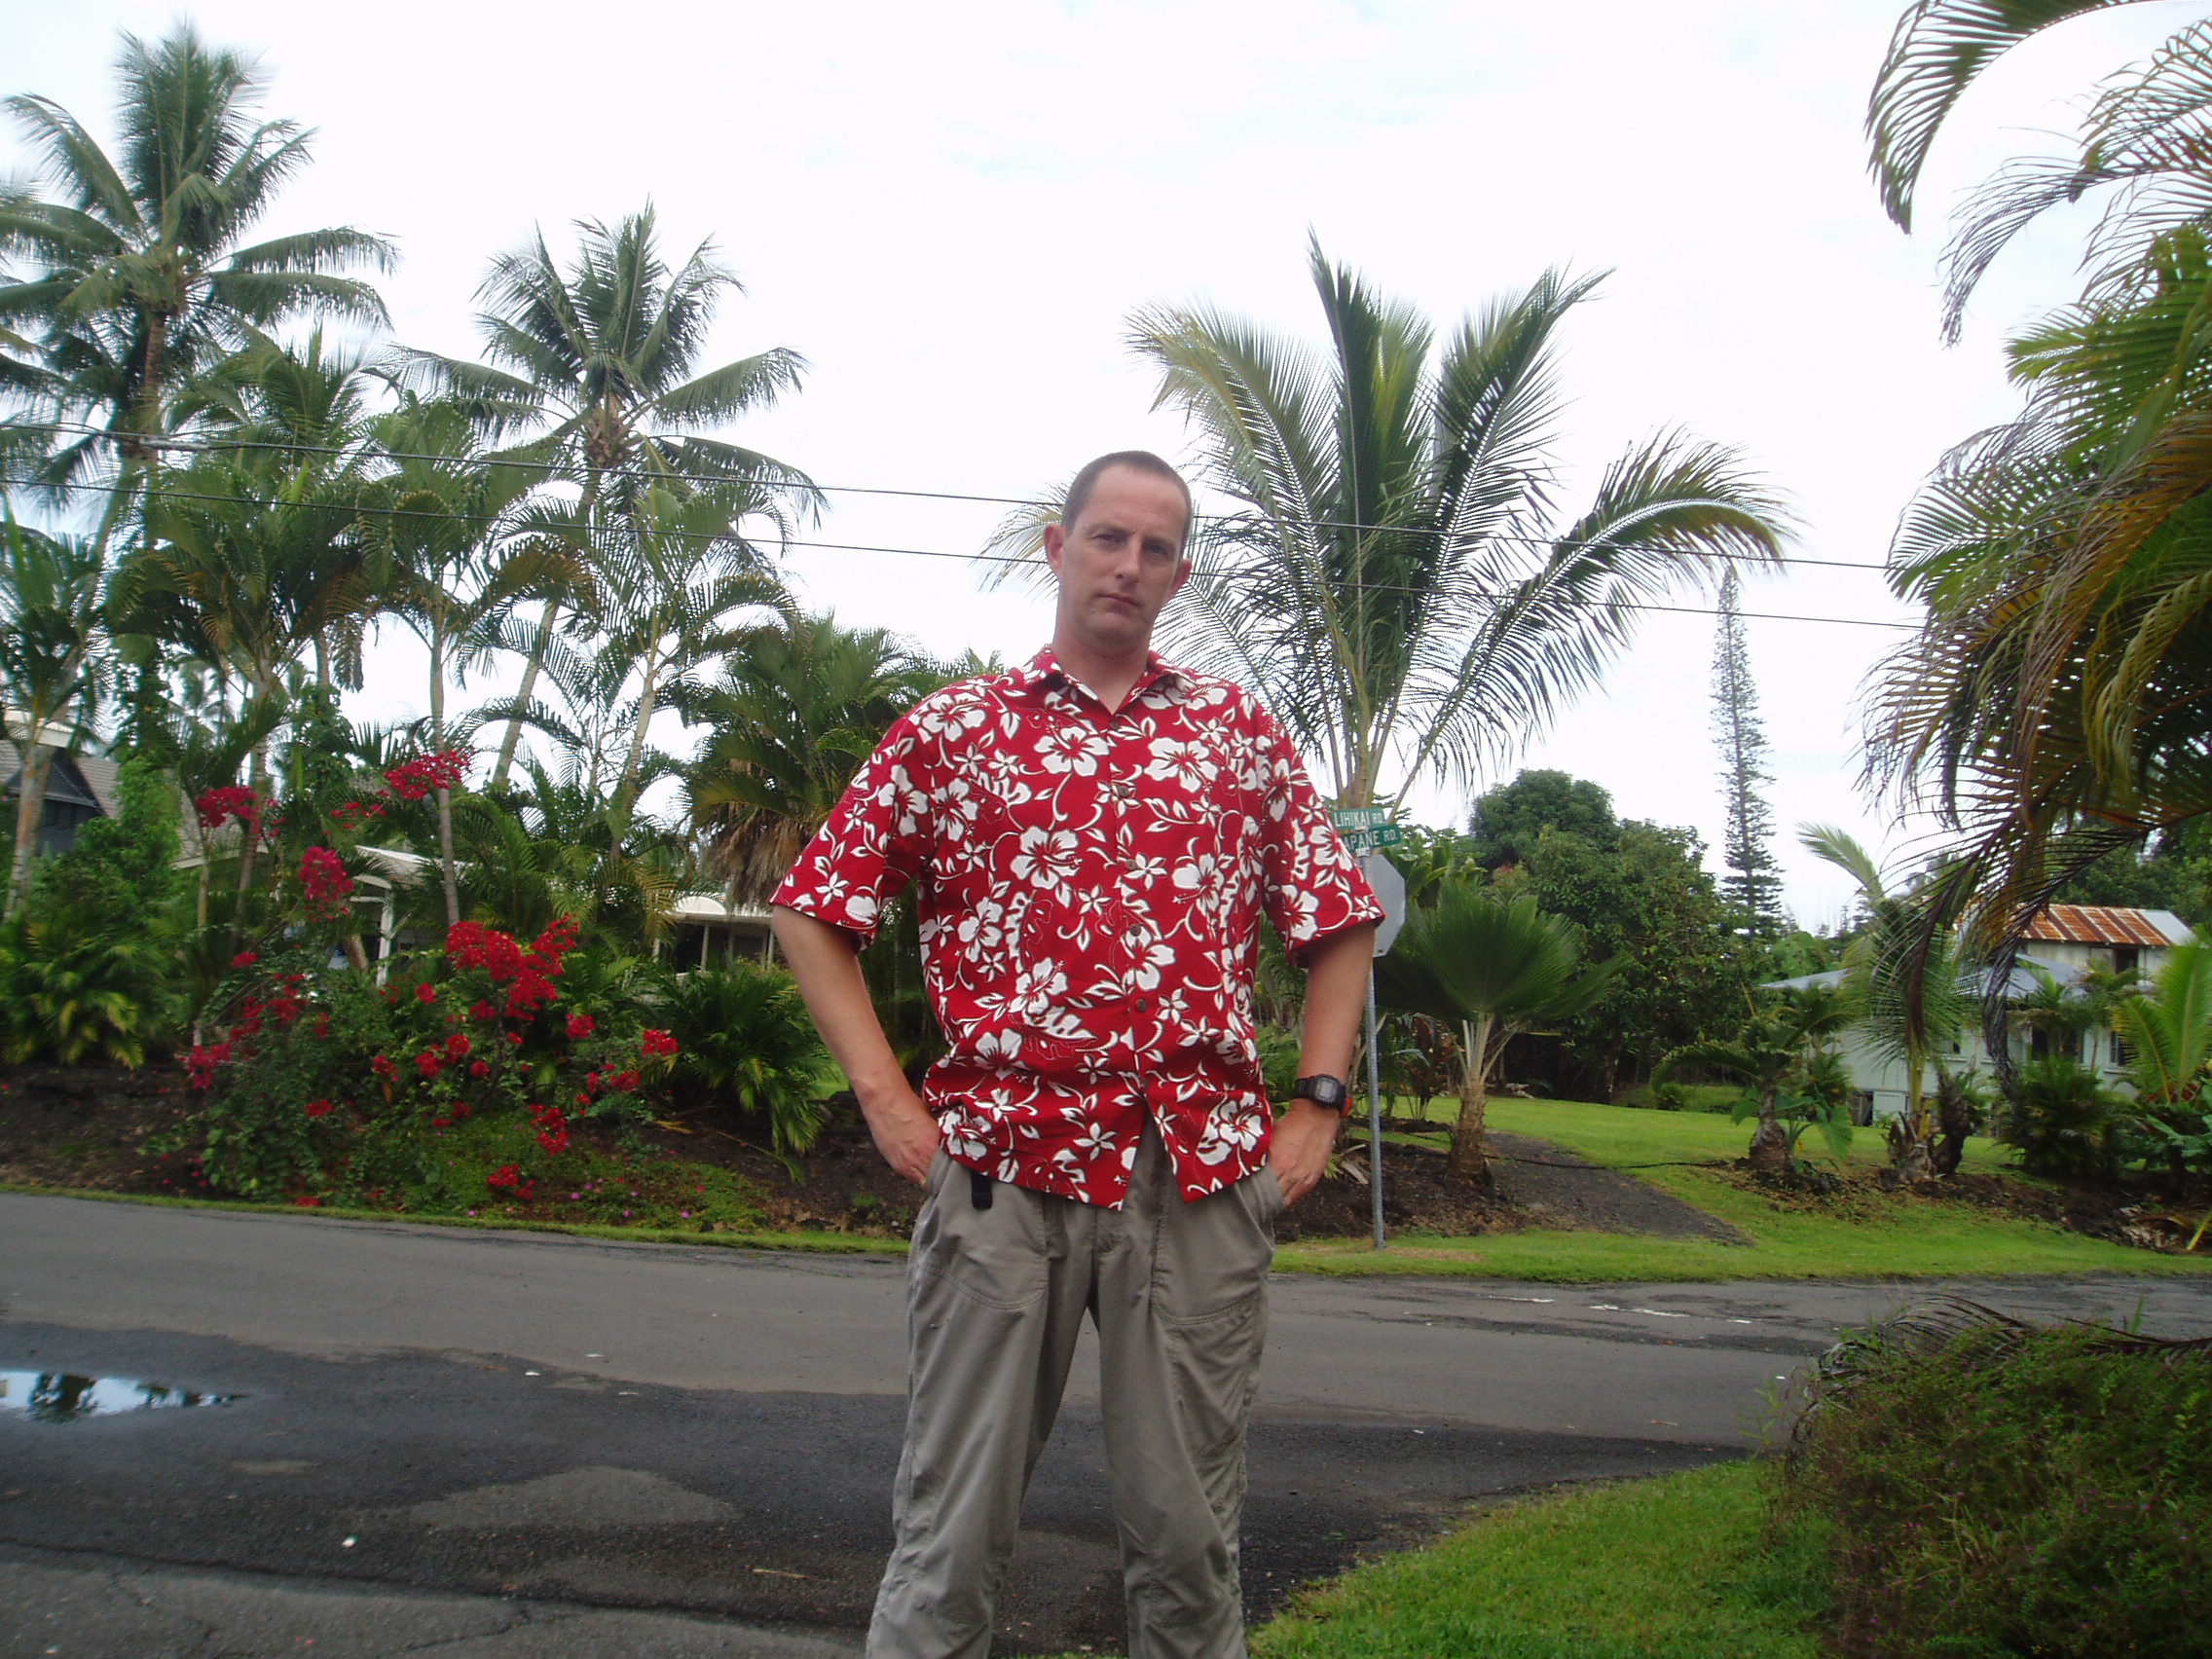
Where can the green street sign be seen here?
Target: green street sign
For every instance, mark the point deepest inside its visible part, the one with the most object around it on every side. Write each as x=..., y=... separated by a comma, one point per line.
x=1359, y=816
x=1376, y=836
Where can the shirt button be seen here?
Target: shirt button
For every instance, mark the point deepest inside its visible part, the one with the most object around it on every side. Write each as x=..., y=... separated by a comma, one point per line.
x=1144, y=1005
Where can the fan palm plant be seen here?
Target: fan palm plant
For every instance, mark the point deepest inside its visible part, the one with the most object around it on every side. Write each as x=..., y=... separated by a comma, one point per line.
x=1389, y=578
x=54, y=663
x=599, y=364
x=140, y=275
x=1495, y=970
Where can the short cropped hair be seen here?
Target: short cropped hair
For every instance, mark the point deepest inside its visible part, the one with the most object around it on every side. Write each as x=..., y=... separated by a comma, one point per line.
x=1137, y=461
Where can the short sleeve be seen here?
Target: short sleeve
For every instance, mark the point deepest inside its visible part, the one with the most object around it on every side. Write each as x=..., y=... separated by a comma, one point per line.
x=873, y=842
x=1311, y=884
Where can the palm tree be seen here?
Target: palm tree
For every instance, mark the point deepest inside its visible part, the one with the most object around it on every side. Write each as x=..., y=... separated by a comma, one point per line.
x=1495, y=970
x=1781, y=1048
x=1390, y=580
x=600, y=362
x=54, y=663
x=684, y=570
x=2050, y=707
x=433, y=525
x=142, y=275
x=2168, y=1034
x=255, y=558
x=798, y=708
x=1904, y=983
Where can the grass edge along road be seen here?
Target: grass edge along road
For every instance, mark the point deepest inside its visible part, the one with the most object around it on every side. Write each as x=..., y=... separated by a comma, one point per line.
x=1675, y=1567
x=1918, y=1238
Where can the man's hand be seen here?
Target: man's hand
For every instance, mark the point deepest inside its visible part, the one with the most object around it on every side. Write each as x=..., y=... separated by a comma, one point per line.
x=1298, y=1152
x=905, y=1133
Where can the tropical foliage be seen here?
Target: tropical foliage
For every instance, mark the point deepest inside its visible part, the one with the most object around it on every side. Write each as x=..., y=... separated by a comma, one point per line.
x=1495, y=967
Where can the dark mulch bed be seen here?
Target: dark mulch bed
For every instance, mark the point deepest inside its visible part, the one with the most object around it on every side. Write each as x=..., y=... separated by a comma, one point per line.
x=2138, y=1210
x=1546, y=1181
x=90, y=1127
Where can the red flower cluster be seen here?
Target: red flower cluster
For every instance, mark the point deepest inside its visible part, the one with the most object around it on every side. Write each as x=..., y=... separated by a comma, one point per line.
x=660, y=1045
x=552, y=1129
x=325, y=884
x=457, y=1046
x=355, y=813
x=200, y=1065
x=581, y=1025
x=428, y=1062
x=528, y=976
x=382, y=1065
x=509, y=1179
x=218, y=807
x=412, y=780
x=245, y=959
x=426, y=993
x=319, y=1108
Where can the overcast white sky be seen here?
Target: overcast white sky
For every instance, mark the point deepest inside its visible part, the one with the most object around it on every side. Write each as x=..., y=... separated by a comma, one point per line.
x=951, y=210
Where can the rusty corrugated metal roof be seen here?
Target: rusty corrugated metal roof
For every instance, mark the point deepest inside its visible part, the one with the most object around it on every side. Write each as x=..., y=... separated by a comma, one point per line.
x=2096, y=924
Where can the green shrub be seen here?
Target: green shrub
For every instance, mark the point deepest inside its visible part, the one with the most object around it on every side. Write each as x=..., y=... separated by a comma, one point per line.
x=2064, y=1120
x=88, y=964
x=325, y=1084
x=746, y=1042
x=1994, y=1489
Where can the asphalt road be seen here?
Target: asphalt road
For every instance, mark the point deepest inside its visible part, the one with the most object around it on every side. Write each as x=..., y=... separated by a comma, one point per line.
x=512, y=1444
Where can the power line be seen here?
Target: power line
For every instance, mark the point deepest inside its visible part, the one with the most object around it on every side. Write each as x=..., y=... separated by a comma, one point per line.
x=1591, y=602
x=210, y=446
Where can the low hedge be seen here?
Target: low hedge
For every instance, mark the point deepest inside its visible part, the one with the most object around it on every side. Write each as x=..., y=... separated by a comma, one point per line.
x=1990, y=1487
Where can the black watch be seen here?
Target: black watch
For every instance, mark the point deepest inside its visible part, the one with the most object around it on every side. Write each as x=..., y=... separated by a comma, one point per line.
x=1325, y=1090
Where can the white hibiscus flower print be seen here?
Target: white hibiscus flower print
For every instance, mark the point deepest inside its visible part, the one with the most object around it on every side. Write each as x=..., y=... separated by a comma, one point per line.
x=1072, y=750
x=1046, y=858
x=1186, y=766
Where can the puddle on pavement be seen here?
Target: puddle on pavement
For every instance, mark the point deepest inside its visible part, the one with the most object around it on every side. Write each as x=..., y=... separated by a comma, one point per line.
x=55, y=1396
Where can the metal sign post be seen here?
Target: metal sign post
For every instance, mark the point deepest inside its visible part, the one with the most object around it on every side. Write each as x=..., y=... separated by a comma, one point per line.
x=1390, y=889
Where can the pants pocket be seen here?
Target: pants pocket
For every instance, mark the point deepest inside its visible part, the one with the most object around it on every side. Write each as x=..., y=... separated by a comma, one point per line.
x=1213, y=1254
x=995, y=1257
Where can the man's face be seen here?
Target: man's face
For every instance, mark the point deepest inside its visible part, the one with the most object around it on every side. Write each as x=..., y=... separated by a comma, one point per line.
x=1121, y=562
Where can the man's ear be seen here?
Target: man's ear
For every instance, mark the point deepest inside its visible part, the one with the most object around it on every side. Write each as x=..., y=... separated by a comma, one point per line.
x=1055, y=539
x=1182, y=575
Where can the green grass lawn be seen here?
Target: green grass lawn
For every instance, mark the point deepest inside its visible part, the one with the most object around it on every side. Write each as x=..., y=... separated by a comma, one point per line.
x=1909, y=1238
x=1677, y=1568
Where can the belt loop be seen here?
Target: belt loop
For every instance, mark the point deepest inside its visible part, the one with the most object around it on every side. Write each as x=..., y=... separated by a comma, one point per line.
x=978, y=1189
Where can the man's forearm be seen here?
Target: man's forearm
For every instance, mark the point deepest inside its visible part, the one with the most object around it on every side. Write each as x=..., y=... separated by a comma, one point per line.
x=829, y=974
x=1335, y=996
x=828, y=970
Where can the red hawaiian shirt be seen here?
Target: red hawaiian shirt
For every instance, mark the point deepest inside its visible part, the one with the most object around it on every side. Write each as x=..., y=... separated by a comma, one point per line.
x=1090, y=888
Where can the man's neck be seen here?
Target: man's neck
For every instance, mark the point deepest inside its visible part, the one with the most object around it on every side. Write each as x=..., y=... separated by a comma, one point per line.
x=1110, y=676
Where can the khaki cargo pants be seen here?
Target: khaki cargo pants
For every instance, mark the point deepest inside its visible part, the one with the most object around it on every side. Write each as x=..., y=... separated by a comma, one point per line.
x=995, y=1297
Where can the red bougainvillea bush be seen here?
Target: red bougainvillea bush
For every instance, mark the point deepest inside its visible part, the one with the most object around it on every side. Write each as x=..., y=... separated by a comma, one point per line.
x=329, y=1084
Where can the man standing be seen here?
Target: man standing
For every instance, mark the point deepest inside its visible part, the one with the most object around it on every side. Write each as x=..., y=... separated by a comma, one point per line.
x=1095, y=836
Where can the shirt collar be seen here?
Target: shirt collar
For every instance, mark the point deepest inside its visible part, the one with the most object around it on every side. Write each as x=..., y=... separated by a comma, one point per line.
x=1043, y=673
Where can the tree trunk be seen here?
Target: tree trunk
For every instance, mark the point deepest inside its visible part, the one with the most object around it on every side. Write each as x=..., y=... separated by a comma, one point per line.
x=1912, y=1153
x=529, y=672
x=1954, y=1122
x=646, y=710
x=447, y=868
x=1770, y=1142
x=1467, y=1158
x=37, y=762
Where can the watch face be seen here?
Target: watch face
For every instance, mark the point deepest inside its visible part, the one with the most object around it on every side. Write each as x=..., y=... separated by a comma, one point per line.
x=1326, y=1091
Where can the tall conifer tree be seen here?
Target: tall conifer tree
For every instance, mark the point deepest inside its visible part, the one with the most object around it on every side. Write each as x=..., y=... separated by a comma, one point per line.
x=1753, y=882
